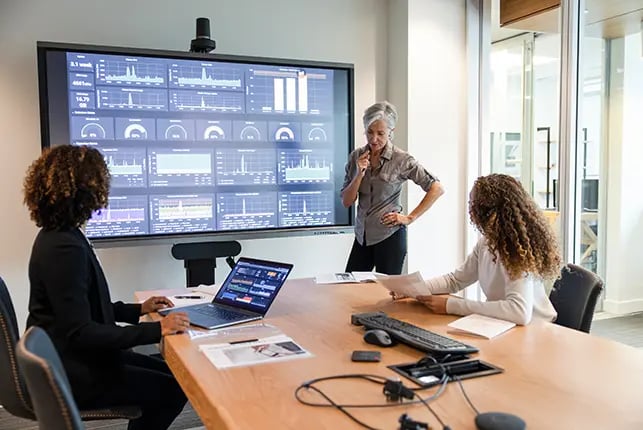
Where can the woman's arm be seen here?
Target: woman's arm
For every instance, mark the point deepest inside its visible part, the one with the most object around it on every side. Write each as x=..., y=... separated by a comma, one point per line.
x=425, y=204
x=516, y=307
x=414, y=171
x=355, y=172
x=67, y=282
x=349, y=194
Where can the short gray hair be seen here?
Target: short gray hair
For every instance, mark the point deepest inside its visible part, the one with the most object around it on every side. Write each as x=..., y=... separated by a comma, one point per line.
x=380, y=110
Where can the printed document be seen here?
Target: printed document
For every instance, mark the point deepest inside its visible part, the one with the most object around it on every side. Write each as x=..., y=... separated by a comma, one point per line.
x=245, y=353
x=411, y=285
x=348, y=277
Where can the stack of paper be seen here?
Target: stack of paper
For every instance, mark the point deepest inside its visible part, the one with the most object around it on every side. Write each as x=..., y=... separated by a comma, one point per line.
x=481, y=325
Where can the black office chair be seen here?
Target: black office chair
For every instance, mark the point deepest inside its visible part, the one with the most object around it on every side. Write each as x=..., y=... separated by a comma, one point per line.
x=14, y=395
x=13, y=391
x=574, y=297
x=47, y=382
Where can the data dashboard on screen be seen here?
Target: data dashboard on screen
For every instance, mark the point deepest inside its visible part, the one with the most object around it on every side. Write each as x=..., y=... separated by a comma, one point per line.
x=200, y=143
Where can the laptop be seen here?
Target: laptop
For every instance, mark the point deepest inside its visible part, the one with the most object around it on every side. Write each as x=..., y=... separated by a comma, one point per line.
x=245, y=295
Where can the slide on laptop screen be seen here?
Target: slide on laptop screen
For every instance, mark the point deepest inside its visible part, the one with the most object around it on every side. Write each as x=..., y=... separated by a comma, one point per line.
x=245, y=295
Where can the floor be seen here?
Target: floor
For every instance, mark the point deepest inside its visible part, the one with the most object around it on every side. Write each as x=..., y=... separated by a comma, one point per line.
x=187, y=420
x=625, y=329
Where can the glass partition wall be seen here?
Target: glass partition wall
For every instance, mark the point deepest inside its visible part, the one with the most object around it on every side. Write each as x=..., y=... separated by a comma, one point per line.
x=510, y=107
x=524, y=138
x=564, y=117
x=524, y=112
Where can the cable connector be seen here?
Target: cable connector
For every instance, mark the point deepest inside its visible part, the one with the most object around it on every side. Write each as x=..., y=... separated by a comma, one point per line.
x=406, y=423
x=395, y=391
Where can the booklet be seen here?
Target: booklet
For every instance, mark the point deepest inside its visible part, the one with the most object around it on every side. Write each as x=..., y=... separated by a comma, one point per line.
x=482, y=325
x=411, y=285
x=348, y=277
x=253, y=351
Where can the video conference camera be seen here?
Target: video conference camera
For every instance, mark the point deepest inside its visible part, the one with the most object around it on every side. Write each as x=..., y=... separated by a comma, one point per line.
x=202, y=43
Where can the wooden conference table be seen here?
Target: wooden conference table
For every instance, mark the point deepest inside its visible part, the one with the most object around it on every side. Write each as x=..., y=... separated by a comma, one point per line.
x=554, y=378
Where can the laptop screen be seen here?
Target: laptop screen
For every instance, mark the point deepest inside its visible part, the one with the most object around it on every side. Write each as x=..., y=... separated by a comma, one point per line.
x=253, y=284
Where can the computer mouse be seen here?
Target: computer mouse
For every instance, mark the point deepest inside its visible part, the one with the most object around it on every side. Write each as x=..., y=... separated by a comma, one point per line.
x=499, y=421
x=378, y=337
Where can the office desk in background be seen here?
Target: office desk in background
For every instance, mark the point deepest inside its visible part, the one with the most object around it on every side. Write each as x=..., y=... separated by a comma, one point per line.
x=555, y=378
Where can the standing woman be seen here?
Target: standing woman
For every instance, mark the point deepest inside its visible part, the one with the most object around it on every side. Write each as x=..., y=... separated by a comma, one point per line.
x=70, y=300
x=375, y=173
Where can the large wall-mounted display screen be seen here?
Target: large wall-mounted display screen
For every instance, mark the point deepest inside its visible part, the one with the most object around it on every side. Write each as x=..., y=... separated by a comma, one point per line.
x=201, y=144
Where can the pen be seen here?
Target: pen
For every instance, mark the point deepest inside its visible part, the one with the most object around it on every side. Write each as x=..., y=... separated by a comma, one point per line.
x=188, y=297
x=243, y=341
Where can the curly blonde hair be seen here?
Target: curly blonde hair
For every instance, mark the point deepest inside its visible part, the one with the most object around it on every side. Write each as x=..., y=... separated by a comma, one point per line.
x=65, y=185
x=515, y=228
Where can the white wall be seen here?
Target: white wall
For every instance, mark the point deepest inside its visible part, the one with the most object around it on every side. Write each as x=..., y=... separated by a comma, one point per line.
x=352, y=31
x=437, y=130
x=624, y=253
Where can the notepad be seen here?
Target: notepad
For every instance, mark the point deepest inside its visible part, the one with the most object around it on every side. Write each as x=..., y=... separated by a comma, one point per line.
x=482, y=325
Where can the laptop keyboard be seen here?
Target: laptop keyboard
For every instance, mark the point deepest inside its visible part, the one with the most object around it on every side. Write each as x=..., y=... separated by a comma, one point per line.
x=219, y=313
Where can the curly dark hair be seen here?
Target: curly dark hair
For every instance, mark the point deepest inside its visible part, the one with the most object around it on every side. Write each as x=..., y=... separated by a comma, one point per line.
x=516, y=230
x=65, y=185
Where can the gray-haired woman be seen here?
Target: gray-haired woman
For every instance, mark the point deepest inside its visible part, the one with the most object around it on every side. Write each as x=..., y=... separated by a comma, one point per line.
x=375, y=173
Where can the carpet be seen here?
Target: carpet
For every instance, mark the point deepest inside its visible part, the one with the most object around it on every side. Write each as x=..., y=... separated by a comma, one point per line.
x=627, y=329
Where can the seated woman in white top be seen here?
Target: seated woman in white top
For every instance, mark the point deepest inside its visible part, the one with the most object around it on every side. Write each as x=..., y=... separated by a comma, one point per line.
x=517, y=253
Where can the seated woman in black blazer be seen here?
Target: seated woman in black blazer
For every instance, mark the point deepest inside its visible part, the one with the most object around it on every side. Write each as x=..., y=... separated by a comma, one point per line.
x=69, y=297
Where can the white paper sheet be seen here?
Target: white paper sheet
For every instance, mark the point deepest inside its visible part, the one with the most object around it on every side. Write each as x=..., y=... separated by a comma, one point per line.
x=411, y=285
x=268, y=350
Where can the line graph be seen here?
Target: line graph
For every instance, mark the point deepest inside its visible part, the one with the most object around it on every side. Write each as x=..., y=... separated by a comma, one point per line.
x=238, y=211
x=129, y=209
x=246, y=166
x=205, y=75
x=302, y=208
x=206, y=101
x=124, y=216
x=184, y=208
x=305, y=166
x=130, y=71
x=127, y=166
x=181, y=213
x=132, y=99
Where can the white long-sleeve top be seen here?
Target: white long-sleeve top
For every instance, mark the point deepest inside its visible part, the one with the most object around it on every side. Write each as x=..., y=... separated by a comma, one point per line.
x=517, y=300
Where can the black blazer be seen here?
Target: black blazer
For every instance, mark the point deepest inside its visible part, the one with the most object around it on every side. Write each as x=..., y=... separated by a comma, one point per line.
x=69, y=299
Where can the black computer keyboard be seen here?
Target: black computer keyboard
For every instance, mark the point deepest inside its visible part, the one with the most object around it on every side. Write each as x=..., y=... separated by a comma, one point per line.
x=414, y=336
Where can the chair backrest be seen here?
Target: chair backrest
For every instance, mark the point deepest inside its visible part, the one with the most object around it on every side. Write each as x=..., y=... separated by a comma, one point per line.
x=47, y=381
x=574, y=297
x=13, y=391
